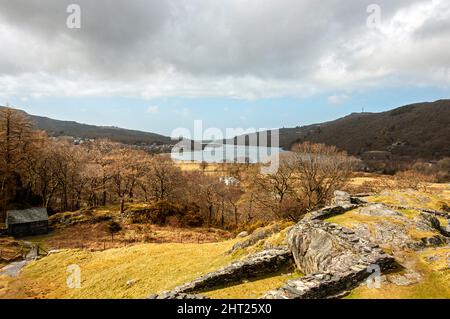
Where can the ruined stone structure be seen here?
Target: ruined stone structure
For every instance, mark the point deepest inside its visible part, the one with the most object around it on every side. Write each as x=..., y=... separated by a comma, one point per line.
x=334, y=259
x=260, y=264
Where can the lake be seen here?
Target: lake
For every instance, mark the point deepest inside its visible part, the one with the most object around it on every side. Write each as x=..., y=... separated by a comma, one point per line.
x=227, y=153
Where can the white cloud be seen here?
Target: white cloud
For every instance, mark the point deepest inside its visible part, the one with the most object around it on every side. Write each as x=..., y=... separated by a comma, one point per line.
x=153, y=109
x=338, y=99
x=221, y=48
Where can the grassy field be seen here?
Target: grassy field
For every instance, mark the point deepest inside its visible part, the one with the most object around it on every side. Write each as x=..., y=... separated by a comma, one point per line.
x=428, y=200
x=160, y=258
x=153, y=267
x=252, y=289
x=87, y=229
x=433, y=285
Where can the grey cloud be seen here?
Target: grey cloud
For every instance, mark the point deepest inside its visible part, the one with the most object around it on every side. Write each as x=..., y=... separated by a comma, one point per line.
x=268, y=40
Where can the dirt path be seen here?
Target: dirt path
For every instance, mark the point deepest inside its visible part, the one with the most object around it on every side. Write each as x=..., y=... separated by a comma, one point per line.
x=14, y=268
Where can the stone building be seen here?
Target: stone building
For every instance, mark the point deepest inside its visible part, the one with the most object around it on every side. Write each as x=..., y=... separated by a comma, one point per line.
x=27, y=222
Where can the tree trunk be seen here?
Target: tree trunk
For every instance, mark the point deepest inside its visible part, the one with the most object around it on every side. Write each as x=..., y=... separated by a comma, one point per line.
x=122, y=204
x=222, y=218
x=210, y=209
x=104, y=198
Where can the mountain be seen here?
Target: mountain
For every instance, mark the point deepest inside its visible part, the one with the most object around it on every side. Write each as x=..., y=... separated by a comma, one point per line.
x=419, y=130
x=70, y=128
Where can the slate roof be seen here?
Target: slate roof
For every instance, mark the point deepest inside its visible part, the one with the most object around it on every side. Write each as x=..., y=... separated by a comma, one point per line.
x=30, y=215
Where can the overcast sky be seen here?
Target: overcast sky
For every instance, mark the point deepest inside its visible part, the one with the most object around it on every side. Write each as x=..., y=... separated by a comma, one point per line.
x=156, y=65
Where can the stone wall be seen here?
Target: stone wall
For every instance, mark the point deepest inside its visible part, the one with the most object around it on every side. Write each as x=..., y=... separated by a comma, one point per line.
x=257, y=265
x=424, y=210
x=321, y=285
x=333, y=258
x=330, y=211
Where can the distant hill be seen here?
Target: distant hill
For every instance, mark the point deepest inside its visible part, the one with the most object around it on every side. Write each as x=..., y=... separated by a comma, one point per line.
x=419, y=130
x=70, y=128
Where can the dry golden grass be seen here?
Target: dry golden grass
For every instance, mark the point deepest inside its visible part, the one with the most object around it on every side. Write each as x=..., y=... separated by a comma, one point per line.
x=211, y=168
x=87, y=228
x=433, y=285
x=154, y=267
x=416, y=199
x=252, y=289
x=95, y=236
x=9, y=248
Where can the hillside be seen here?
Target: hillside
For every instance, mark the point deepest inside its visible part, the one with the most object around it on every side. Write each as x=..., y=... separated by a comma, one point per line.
x=75, y=129
x=415, y=241
x=419, y=130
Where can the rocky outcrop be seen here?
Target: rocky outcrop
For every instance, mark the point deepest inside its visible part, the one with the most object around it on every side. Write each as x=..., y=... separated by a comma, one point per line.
x=407, y=279
x=258, y=235
x=334, y=259
x=393, y=229
x=257, y=265
x=387, y=233
x=429, y=222
x=341, y=198
x=379, y=210
x=242, y=234
x=319, y=246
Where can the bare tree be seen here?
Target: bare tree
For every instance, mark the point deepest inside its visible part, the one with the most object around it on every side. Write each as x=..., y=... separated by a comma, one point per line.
x=163, y=178
x=15, y=137
x=319, y=171
x=127, y=167
x=274, y=191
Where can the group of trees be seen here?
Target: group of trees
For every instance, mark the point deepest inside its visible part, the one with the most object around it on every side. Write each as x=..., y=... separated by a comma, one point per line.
x=38, y=170
x=305, y=180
